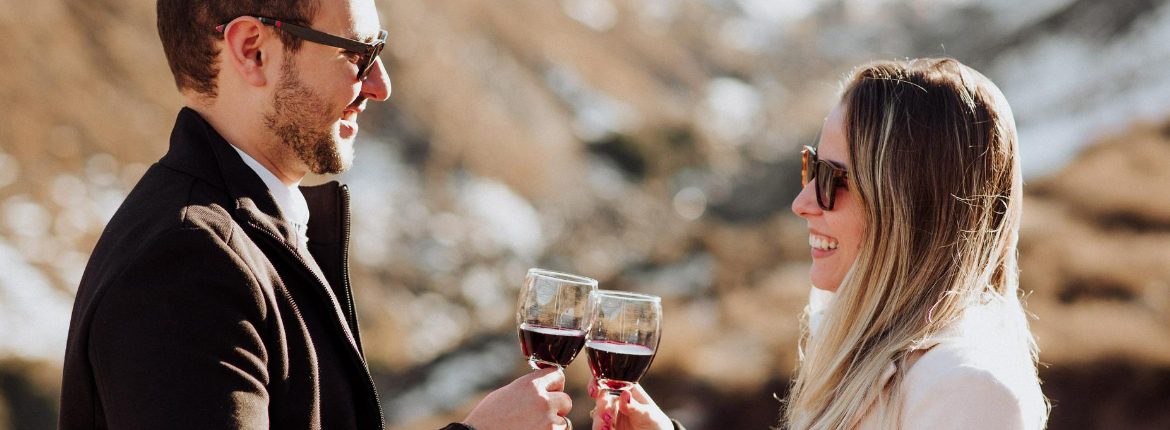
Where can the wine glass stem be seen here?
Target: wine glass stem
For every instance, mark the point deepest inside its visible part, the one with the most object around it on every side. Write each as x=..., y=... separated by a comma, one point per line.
x=617, y=410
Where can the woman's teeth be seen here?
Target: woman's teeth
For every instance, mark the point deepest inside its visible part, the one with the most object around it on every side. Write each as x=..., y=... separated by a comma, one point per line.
x=821, y=242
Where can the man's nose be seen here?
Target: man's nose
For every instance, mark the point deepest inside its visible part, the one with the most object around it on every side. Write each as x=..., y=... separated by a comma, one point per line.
x=376, y=86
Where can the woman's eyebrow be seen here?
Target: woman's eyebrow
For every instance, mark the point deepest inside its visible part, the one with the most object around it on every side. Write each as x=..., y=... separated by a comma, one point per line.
x=839, y=164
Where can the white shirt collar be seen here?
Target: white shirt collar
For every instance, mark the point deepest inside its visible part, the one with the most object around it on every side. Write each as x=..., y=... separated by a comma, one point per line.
x=818, y=303
x=288, y=197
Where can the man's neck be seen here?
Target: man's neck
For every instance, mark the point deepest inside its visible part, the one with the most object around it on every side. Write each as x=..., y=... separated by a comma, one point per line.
x=246, y=131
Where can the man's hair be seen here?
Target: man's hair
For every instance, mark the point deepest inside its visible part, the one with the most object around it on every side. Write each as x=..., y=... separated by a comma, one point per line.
x=187, y=30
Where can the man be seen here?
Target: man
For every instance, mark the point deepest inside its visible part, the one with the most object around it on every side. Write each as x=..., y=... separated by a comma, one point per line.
x=218, y=296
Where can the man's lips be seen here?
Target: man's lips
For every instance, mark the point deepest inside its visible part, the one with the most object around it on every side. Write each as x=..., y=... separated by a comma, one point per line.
x=349, y=116
x=349, y=126
x=357, y=107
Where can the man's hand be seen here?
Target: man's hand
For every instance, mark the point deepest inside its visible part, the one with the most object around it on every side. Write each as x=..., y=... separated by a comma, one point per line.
x=535, y=401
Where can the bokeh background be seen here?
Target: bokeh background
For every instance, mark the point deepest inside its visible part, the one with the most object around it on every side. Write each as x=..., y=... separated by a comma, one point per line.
x=650, y=144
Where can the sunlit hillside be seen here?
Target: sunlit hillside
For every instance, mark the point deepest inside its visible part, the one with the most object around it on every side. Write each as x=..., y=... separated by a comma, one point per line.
x=647, y=143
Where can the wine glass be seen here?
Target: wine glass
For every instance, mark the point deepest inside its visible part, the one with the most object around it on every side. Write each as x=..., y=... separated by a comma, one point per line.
x=623, y=337
x=552, y=316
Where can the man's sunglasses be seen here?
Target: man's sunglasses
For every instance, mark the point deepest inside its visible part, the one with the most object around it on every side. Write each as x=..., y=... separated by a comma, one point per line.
x=827, y=176
x=367, y=52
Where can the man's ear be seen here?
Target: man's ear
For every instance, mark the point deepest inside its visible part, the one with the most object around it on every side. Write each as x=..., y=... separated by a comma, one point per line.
x=244, y=40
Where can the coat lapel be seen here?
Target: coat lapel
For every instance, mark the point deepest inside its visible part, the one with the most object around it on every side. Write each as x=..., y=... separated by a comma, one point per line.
x=266, y=230
x=198, y=149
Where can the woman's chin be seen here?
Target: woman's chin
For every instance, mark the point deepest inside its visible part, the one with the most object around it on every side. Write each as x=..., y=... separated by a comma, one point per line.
x=822, y=280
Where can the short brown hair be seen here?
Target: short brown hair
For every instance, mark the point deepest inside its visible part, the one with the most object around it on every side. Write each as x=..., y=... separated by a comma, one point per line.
x=187, y=30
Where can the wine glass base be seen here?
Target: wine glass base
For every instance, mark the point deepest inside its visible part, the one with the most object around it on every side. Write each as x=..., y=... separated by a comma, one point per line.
x=541, y=364
x=614, y=386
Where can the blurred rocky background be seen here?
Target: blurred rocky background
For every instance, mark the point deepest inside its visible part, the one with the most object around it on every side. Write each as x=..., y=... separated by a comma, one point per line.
x=646, y=143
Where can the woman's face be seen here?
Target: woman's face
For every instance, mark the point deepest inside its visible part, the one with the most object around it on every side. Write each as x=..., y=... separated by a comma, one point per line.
x=835, y=235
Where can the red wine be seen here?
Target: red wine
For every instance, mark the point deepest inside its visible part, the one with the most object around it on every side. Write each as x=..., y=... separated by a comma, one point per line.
x=618, y=365
x=550, y=344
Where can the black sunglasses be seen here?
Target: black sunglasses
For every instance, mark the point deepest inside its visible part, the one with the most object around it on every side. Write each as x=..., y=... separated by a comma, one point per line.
x=828, y=177
x=367, y=52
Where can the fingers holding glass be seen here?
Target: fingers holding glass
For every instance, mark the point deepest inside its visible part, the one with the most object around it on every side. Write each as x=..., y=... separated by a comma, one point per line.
x=622, y=339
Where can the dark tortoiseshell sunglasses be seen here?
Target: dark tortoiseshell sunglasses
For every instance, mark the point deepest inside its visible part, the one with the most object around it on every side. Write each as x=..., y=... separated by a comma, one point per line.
x=367, y=52
x=827, y=176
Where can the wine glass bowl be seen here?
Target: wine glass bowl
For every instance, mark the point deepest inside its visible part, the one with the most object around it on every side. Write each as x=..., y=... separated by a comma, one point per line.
x=623, y=337
x=552, y=316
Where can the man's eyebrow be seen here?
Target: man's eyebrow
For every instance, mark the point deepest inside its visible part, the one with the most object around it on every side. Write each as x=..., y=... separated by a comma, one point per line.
x=364, y=36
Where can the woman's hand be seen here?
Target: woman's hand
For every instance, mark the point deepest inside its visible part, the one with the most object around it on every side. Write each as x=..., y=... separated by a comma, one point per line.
x=635, y=410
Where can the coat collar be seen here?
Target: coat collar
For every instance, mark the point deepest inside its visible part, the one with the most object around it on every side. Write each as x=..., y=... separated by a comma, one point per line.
x=196, y=148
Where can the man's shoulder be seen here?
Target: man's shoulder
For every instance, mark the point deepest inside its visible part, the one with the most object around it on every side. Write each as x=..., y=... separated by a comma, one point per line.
x=166, y=199
x=167, y=208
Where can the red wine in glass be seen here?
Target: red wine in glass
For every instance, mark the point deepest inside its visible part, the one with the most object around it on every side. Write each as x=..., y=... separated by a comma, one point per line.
x=623, y=337
x=617, y=365
x=549, y=346
x=552, y=316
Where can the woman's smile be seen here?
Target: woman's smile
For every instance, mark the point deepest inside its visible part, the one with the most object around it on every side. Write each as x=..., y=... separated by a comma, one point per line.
x=822, y=246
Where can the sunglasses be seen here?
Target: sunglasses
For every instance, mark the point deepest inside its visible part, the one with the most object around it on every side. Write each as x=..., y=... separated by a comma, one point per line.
x=367, y=52
x=828, y=177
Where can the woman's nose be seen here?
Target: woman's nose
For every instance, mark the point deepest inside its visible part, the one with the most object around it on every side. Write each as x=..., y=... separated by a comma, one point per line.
x=805, y=203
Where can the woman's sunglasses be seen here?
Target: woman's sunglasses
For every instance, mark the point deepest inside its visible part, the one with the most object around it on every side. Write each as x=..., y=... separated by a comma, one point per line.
x=367, y=52
x=828, y=177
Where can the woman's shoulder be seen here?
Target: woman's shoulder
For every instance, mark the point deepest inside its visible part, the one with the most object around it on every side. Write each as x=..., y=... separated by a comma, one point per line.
x=963, y=384
x=948, y=363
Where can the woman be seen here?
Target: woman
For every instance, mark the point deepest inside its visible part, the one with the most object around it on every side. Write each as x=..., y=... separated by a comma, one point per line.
x=913, y=201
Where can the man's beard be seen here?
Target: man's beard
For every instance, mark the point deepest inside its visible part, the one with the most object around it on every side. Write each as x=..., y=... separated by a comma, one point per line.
x=302, y=121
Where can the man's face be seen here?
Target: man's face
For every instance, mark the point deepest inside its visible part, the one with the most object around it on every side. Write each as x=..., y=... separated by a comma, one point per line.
x=318, y=97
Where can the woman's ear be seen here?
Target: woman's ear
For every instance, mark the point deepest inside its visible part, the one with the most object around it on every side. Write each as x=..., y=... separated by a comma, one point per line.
x=244, y=40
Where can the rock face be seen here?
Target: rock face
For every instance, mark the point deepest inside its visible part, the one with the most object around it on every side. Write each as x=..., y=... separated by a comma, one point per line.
x=646, y=143
x=1096, y=250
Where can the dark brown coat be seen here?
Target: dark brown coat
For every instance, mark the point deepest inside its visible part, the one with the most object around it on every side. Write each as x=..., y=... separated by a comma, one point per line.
x=199, y=310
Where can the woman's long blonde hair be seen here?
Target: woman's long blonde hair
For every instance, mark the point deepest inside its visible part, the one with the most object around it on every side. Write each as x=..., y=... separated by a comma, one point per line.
x=932, y=144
